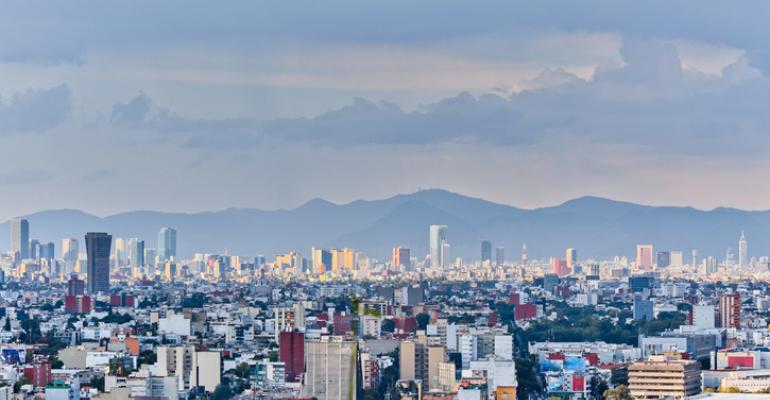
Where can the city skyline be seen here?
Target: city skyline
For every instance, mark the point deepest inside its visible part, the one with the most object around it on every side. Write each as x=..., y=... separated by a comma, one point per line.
x=400, y=200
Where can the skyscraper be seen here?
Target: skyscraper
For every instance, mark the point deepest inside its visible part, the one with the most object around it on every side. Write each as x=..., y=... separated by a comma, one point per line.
x=743, y=251
x=47, y=251
x=69, y=252
x=401, y=257
x=120, y=251
x=486, y=250
x=524, y=256
x=98, y=252
x=136, y=252
x=20, y=237
x=644, y=256
x=34, y=249
x=571, y=257
x=499, y=255
x=166, y=243
x=438, y=237
x=663, y=259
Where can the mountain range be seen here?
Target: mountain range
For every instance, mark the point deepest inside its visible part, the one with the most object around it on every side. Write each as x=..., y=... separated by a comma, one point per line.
x=597, y=227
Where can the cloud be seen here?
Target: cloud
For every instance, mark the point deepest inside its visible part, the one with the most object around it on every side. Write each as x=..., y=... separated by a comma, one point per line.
x=650, y=101
x=24, y=176
x=35, y=110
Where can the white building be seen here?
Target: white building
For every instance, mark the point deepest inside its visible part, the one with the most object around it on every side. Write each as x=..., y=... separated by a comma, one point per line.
x=175, y=324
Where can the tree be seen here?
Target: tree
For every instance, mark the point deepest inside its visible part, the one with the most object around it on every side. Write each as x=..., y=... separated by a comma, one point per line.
x=222, y=392
x=422, y=320
x=617, y=393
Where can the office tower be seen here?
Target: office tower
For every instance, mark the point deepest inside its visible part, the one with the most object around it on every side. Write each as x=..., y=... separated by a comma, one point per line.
x=660, y=377
x=694, y=259
x=730, y=310
x=743, y=251
x=663, y=259
x=98, y=257
x=166, y=243
x=486, y=250
x=571, y=258
x=560, y=267
x=499, y=255
x=120, y=251
x=34, y=249
x=401, y=257
x=322, y=260
x=292, y=354
x=136, y=252
x=20, y=237
x=446, y=251
x=524, y=254
x=438, y=236
x=47, y=251
x=677, y=259
x=331, y=364
x=69, y=252
x=644, y=256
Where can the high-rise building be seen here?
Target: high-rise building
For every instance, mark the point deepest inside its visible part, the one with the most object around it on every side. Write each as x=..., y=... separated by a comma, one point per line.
x=292, y=354
x=34, y=249
x=446, y=257
x=499, y=255
x=47, y=251
x=663, y=259
x=119, y=247
x=524, y=257
x=644, y=256
x=438, y=237
x=98, y=257
x=136, y=252
x=677, y=259
x=743, y=251
x=401, y=257
x=69, y=252
x=730, y=310
x=571, y=258
x=20, y=237
x=331, y=364
x=166, y=243
x=486, y=250
x=322, y=260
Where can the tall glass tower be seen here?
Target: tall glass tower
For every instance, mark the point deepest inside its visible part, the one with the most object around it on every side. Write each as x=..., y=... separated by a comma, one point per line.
x=20, y=237
x=98, y=252
x=166, y=243
x=438, y=239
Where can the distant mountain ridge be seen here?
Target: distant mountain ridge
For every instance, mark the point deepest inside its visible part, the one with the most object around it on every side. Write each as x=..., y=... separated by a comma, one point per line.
x=597, y=227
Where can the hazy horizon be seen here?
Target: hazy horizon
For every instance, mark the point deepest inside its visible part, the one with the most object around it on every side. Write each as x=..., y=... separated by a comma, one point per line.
x=343, y=203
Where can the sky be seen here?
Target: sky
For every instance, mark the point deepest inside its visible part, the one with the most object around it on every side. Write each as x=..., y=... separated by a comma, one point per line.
x=193, y=105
